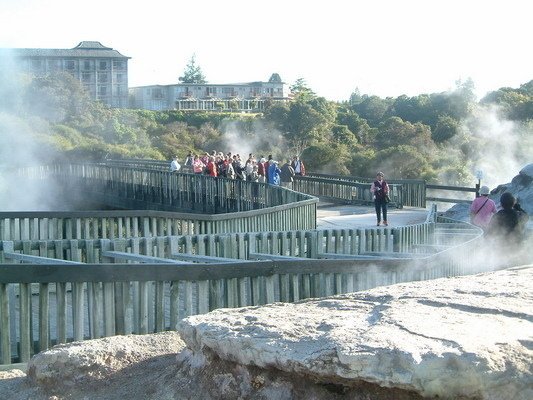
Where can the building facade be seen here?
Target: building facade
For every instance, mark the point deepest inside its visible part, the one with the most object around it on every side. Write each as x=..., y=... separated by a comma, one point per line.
x=101, y=70
x=239, y=97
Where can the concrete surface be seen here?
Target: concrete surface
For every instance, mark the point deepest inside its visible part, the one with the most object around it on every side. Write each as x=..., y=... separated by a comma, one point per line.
x=333, y=216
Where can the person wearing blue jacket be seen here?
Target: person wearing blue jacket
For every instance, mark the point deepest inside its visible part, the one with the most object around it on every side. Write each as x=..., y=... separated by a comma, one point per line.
x=274, y=173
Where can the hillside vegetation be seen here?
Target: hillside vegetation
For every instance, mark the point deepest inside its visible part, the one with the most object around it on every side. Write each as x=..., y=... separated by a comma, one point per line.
x=438, y=137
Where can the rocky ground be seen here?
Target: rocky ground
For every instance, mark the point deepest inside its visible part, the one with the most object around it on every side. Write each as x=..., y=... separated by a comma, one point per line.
x=452, y=338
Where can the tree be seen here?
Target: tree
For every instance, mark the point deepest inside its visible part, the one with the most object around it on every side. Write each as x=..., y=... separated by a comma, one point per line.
x=373, y=109
x=301, y=91
x=329, y=158
x=402, y=162
x=357, y=125
x=395, y=132
x=355, y=97
x=57, y=97
x=193, y=73
x=445, y=129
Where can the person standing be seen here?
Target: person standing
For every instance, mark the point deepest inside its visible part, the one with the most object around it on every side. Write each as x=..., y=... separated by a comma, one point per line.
x=507, y=228
x=273, y=173
x=261, y=170
x=175, y=165
x=211, y=167
x=298, y=166
x=380, y=191
x=482, y=209
x=287, y=175
x=197, y=165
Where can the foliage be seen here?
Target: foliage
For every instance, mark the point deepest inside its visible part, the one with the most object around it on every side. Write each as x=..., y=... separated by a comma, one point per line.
x=326, y=158
x=430, y=136
x=193, y=73
x=301, y=91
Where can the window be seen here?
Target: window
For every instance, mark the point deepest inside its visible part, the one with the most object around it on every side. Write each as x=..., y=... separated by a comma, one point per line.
x=54, y=65
x=103, y=77
x=36, y=64
x=120, y=78
x=86, y=65
x=86, y=77
x=102, y=90
x=118, y=64
x=157, y=93
x=70, y=65
x=102, y=65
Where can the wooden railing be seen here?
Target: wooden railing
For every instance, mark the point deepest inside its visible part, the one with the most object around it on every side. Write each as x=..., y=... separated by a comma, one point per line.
x=71, y=282
x=218, y=205
x=404, y=192
x=54, y=302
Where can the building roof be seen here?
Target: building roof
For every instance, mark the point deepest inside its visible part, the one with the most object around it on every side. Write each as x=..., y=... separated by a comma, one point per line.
x=87, y=49
x=246, y=84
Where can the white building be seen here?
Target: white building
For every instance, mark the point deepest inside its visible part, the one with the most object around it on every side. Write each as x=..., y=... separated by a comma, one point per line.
x=245, y=97
x=102, y=70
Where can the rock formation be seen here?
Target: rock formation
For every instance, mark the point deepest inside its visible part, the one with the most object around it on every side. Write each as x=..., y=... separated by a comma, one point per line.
x=521, y=187
x=453, y=338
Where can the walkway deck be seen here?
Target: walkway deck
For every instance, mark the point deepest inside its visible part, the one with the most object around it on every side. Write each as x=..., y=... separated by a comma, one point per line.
x=333, y=216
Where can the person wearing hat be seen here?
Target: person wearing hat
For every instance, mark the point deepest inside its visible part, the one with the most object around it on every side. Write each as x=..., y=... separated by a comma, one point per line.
x=482, y=209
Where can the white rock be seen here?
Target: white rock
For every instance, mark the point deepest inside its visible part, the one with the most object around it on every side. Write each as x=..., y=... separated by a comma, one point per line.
x=468, y=336
x=68, y=364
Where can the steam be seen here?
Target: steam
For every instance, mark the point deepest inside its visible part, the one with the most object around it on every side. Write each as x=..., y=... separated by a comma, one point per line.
x=258, y=140
x=498, y=147
x=19, y=147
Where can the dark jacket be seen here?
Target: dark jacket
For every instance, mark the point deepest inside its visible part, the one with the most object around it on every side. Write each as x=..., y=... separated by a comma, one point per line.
x=508, y=225
x=287, y=173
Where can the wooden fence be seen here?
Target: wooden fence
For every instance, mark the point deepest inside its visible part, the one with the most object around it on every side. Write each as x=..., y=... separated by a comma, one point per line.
x=404, y=192
x=194, y=203
x=58, y=298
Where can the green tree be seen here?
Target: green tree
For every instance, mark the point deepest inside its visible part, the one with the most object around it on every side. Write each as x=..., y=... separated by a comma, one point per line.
x=193, y=73
x=445, y=129
x=57, y=98
x=394, y=132
x=343, y=135
x=303, y=125
x=514, y=104
x=373, y=109
x=329, y=158
x=301, y=91
x=402, y=162
x=412, y=109
x=357, y=125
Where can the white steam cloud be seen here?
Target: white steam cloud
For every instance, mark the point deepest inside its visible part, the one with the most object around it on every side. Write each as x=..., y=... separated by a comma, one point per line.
x=500, y=147
x=260, y=140
x=19, y=147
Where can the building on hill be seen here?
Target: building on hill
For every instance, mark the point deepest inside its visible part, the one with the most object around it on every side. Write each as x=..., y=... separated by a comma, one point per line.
x=239, y=97
x=102, y=70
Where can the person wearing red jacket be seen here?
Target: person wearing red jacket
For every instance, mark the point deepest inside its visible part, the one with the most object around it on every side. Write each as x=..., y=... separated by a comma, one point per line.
x=211, y=167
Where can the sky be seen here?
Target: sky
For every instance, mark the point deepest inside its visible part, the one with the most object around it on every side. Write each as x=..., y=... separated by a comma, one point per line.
x=386, y=48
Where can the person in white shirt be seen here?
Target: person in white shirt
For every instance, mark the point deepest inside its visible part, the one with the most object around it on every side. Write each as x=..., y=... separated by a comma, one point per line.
x=175, y=165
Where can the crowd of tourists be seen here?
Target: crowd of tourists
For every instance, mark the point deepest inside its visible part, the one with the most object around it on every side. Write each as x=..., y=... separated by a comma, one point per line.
x=233, y=166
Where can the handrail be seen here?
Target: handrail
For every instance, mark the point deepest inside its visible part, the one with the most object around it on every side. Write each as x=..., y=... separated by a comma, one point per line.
x=149, y=297
x=100, y=298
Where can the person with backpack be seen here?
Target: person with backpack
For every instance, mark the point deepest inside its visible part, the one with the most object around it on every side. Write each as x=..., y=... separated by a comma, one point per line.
x=507, y=228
